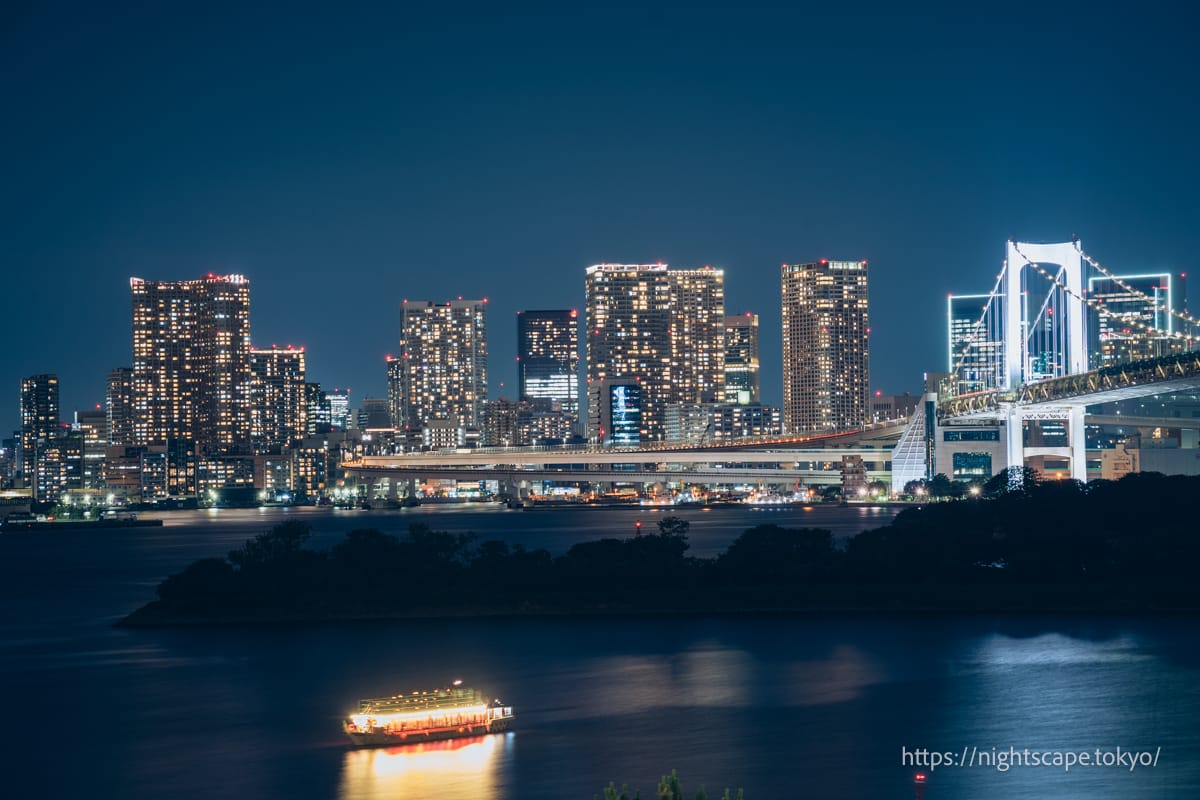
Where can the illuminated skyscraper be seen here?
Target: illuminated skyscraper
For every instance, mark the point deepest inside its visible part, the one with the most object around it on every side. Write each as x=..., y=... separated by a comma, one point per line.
x=279, y=408
x=661, y=328
x=316, y=410
x=93, y=429
x=741, y=359
x=339, y=408
x=628, y=337
x=118, y=406
x=975, y=345
x=442, y=374
x=826, y=374
x=548, y=358
x=39, y=418
x=395, y=390
x=191, y=361
x=697, y=334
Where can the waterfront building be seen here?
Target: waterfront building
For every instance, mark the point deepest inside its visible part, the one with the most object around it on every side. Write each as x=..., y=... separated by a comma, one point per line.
x=741, y=359
x=826, y=374
x=442, y=374
x=660, y=328
x=93, y=427
x=118, y=406
x=628, y=341
x=696, y=301
x=279, y=402
x=548, y=358
x=39, y=419
x=57, y=464
x=191, y=361
x=975, y=347
x=227, y=479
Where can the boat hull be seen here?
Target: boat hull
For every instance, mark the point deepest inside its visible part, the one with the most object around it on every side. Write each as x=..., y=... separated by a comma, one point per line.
x=379, y=738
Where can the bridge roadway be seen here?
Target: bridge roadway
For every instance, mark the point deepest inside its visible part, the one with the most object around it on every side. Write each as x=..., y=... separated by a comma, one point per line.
x=809, y=459
x=811, y=476
x=1179, y=372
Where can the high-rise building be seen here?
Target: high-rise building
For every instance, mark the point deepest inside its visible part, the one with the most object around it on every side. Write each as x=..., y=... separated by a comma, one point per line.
x=316, y=410
x=339, y=409
x=697, y=333
x=442, y=373
x=628, y=340
x=191, y=361
x=118, y=406
x=395, y=391
x=548, y=358
x=975, y=344
x=1132, y=304
x=741, y=359
x=660, y=328
x=279, y=408
x=826, y=376
x=93, y=427
x=39, y=419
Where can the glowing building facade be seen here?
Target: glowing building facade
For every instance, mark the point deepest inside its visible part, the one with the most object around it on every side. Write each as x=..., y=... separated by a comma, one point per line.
x=975, y=346
x=696, y=302
x=660, y=328
x=741, y=359
x=279, y=408
x=118, y=406
x=191, y=361
x=548, y=358
x=826, y=374
x=443, y=363
x=39, y=419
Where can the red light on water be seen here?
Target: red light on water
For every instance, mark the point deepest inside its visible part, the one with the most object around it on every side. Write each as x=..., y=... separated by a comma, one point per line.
x=920, y=777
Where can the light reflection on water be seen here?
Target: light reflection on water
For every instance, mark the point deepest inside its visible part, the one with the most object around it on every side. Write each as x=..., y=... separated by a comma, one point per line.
x=456, y=768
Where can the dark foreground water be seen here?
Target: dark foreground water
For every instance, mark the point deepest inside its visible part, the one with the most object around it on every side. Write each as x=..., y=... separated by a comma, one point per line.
x=783, y=707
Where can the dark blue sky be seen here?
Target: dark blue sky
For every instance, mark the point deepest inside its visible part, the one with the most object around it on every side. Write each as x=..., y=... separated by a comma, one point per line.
x=346, y=159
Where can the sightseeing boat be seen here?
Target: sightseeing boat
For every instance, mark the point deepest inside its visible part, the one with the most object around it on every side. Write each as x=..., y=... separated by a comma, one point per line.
x=447, y=713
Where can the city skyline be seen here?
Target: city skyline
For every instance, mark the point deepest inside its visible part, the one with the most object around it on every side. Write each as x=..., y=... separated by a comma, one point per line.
x=337, y=216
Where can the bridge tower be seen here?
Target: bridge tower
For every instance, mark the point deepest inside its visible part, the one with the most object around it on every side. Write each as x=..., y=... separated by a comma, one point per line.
x=1066, y=325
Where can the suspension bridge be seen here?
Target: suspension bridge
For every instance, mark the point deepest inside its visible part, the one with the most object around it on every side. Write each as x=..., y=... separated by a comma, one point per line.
x=1057, y=333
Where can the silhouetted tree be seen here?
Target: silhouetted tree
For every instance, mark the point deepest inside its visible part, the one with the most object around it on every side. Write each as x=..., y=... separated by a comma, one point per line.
x=284, y=540
x=674, y=526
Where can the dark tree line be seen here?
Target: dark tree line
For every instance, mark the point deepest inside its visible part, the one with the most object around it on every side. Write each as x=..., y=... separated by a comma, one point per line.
x=1127, y=545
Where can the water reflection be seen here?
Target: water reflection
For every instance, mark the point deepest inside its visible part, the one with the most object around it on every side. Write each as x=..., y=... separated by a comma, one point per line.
x=458, y=768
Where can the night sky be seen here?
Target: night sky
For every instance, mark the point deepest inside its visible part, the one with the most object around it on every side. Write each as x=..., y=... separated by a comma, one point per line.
x=347, y=159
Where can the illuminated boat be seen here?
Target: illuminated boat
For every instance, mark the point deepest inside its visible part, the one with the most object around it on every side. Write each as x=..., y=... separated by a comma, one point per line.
x=446, y=713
